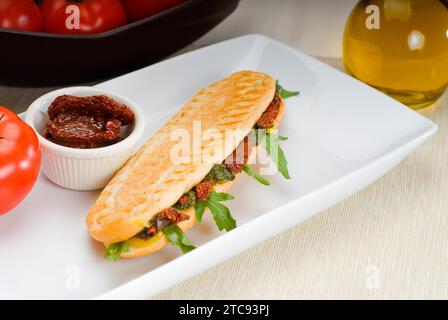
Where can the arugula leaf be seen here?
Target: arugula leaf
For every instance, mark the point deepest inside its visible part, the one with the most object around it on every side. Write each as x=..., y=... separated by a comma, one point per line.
x=256, y=175
x=199, y=208
x=221, y=214
x=221, y=196
x=178, y=238
x=113, y=251
x=270, y=143
x=285, y=94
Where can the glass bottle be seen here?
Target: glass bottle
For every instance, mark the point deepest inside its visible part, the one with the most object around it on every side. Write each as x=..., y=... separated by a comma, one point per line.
x=399, y=47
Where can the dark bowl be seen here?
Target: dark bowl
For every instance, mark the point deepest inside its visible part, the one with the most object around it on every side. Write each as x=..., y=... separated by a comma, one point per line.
x=36, y=58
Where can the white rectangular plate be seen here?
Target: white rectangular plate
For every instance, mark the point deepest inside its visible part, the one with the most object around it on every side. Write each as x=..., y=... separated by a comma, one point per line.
x=342, y=136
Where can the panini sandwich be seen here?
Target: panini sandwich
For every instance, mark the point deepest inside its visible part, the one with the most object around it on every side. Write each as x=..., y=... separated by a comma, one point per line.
x=152, y=200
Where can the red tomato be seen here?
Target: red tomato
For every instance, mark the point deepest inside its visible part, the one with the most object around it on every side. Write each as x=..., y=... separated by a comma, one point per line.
x=19, y=159
x=139, y=9
x=82, y=16
x=20, y=15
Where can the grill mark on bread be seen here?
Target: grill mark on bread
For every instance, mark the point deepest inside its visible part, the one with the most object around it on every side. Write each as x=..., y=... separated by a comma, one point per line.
x=231, y=123
x=235, y=115
x=185, y=225
x=219, y=99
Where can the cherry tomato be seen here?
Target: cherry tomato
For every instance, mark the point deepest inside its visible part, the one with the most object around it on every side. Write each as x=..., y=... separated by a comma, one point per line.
x=20, y=15
x=20, y=159
x=82, y=16
x=139, y=9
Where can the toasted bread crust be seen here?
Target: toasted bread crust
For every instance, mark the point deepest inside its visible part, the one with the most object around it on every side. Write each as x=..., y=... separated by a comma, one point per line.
x=150, y=182
x=162, y=241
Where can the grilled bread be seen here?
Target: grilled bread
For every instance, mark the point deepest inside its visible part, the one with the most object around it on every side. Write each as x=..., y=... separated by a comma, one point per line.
x=150, y=182
x=139, y=248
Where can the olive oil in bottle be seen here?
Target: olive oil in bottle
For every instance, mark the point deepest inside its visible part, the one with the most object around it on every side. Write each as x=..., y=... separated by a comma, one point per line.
x=399, y=47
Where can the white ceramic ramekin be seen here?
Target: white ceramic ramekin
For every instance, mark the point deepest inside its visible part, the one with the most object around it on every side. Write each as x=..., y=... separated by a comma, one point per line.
x=83, y=169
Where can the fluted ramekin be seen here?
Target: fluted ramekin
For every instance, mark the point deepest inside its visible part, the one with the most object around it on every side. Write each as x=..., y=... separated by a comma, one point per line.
x=83, y=169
